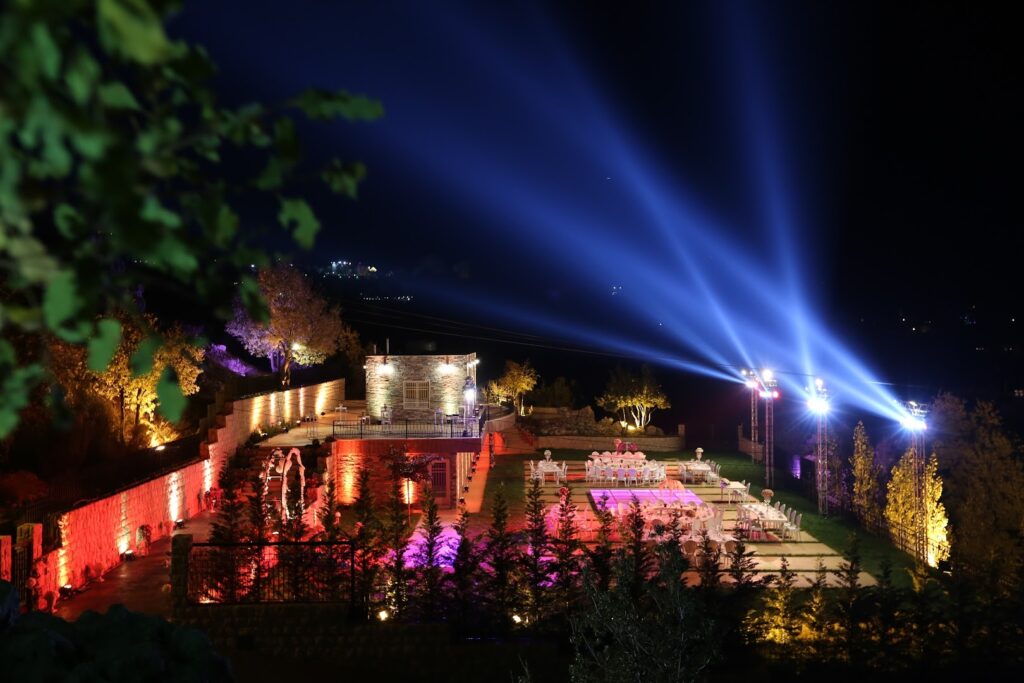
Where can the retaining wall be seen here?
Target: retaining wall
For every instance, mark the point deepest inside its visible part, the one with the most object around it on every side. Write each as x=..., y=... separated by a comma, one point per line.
x=95, y=535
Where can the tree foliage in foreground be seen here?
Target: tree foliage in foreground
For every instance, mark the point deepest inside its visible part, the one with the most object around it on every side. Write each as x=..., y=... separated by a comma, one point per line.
x=116, y=178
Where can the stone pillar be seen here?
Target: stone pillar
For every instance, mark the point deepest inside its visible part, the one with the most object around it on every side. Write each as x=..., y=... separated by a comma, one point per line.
x=180, y=547
x=31, y=535
x=6, y=550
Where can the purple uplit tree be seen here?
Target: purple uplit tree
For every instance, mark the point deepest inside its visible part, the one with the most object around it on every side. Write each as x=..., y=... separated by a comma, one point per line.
x=301, y=327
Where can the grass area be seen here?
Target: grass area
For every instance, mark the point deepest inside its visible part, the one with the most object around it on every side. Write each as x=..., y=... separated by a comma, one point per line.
x=833, y=531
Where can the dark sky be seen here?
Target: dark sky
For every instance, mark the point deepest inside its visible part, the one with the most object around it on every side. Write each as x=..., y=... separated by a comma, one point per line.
x=897, y=127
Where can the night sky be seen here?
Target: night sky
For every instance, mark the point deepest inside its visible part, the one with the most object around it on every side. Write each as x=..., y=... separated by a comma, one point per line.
x=892, y=133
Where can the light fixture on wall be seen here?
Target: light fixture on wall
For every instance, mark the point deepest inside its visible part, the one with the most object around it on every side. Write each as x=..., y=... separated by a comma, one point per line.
x=446, y=367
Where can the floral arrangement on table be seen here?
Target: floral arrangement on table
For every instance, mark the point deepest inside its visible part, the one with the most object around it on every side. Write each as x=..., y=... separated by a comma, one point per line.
x=766, y=495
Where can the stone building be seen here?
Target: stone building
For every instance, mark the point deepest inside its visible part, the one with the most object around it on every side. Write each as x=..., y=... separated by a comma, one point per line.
x=415, y=387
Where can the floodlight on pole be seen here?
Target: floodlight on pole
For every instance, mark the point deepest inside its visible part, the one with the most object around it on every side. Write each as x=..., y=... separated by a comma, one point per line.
x=818, y=404
x=913, y=420
x=769, y=393
x=752, y=383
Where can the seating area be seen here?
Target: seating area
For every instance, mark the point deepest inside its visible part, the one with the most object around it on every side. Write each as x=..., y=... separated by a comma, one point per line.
x=645, y=475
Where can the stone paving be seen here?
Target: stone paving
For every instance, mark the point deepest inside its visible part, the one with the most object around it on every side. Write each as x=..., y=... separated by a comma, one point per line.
x=802, y=554
x=141, y=585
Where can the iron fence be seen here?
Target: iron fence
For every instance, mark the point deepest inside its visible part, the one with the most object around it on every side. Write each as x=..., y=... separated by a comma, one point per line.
x=248, y=573
x=404, y=429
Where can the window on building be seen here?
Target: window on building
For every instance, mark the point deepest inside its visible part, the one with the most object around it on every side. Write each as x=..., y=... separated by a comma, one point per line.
x=417, y=395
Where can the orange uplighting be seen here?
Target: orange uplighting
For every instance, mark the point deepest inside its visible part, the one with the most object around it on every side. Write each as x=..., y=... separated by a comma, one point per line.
x=347, y=471
x=408, y=491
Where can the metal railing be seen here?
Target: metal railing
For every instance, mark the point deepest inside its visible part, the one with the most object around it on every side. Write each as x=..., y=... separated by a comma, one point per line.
x=405, y=429
x=248, y=573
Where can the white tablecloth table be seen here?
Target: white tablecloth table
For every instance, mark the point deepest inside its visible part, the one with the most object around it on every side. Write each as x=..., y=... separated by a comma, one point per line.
x=545, y=467
x=769, y=518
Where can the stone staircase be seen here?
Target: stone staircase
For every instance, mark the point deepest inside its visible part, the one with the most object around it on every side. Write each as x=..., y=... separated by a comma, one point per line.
x=514, y=441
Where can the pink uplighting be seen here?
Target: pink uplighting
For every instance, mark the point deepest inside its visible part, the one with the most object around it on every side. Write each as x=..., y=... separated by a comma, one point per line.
x=646, y=497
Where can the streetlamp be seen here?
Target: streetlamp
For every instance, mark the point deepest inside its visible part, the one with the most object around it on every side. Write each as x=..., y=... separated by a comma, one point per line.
x=819, y=405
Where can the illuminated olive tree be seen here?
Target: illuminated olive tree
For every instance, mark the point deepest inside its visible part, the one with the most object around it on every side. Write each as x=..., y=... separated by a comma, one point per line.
x=301, y=328
x=131, y=381
x=120, y=173
x=511, y=387
x=639, y=395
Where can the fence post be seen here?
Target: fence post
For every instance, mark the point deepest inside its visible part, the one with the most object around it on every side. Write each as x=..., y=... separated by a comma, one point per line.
x=351, y=578
x=181, y=546
x=6, y=553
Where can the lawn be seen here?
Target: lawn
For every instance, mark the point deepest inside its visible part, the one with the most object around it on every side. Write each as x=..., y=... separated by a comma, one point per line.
x=833, y=531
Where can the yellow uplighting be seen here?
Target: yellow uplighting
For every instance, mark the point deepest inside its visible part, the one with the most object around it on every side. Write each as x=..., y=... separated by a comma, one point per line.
x=383, y=615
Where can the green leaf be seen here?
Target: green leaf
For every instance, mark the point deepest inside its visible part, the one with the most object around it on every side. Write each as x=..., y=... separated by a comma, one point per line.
x=60, y=300
x=324, y=104
x=131, y=28
x=296, y=213
x=90, y=143
x=344, y=178
x=142, y=360
x=153, y=211
x=66, y=218
x=81, y=76
x=34, y=263
x=172, y=402
x=116, y=95
x=226, y=226
x=272, y=176
x=15, y=388
x=46, y=51
x=104, y=343
x=252, y=299
x=176, y=254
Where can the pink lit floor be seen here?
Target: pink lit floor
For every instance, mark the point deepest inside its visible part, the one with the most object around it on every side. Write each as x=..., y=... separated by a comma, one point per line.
x=646, y=496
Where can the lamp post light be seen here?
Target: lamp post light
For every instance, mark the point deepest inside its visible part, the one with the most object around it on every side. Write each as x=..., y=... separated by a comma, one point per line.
x=914, y=422
x=819, y=405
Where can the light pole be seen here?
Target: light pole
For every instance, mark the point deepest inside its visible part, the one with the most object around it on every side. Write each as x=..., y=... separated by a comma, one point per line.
x=819, y=405
x=914, y=422
x=469, y=396
x=752, y=383
x=769, y=392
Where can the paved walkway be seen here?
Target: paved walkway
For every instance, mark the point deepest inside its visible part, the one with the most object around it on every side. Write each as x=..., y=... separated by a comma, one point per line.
x=142, y=585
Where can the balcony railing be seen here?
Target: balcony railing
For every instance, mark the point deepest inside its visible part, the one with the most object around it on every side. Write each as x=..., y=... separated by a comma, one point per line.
x=450, y=428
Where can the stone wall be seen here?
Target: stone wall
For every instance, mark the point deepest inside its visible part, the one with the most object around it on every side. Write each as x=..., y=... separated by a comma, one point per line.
x=604, y=443
x=240, y=418
x=349, y=455
x=386, y=377
x=96, y=534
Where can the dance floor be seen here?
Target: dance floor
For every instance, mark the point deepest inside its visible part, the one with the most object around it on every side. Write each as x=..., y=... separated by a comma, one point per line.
x=647, y=497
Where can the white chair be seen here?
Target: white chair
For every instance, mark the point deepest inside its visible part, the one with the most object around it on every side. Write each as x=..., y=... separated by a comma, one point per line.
x=631, y=477
x=609, y=474
x=562, y=473
x=793, y=527
x=712, y=476
x=588, y=475
x=620, y=478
